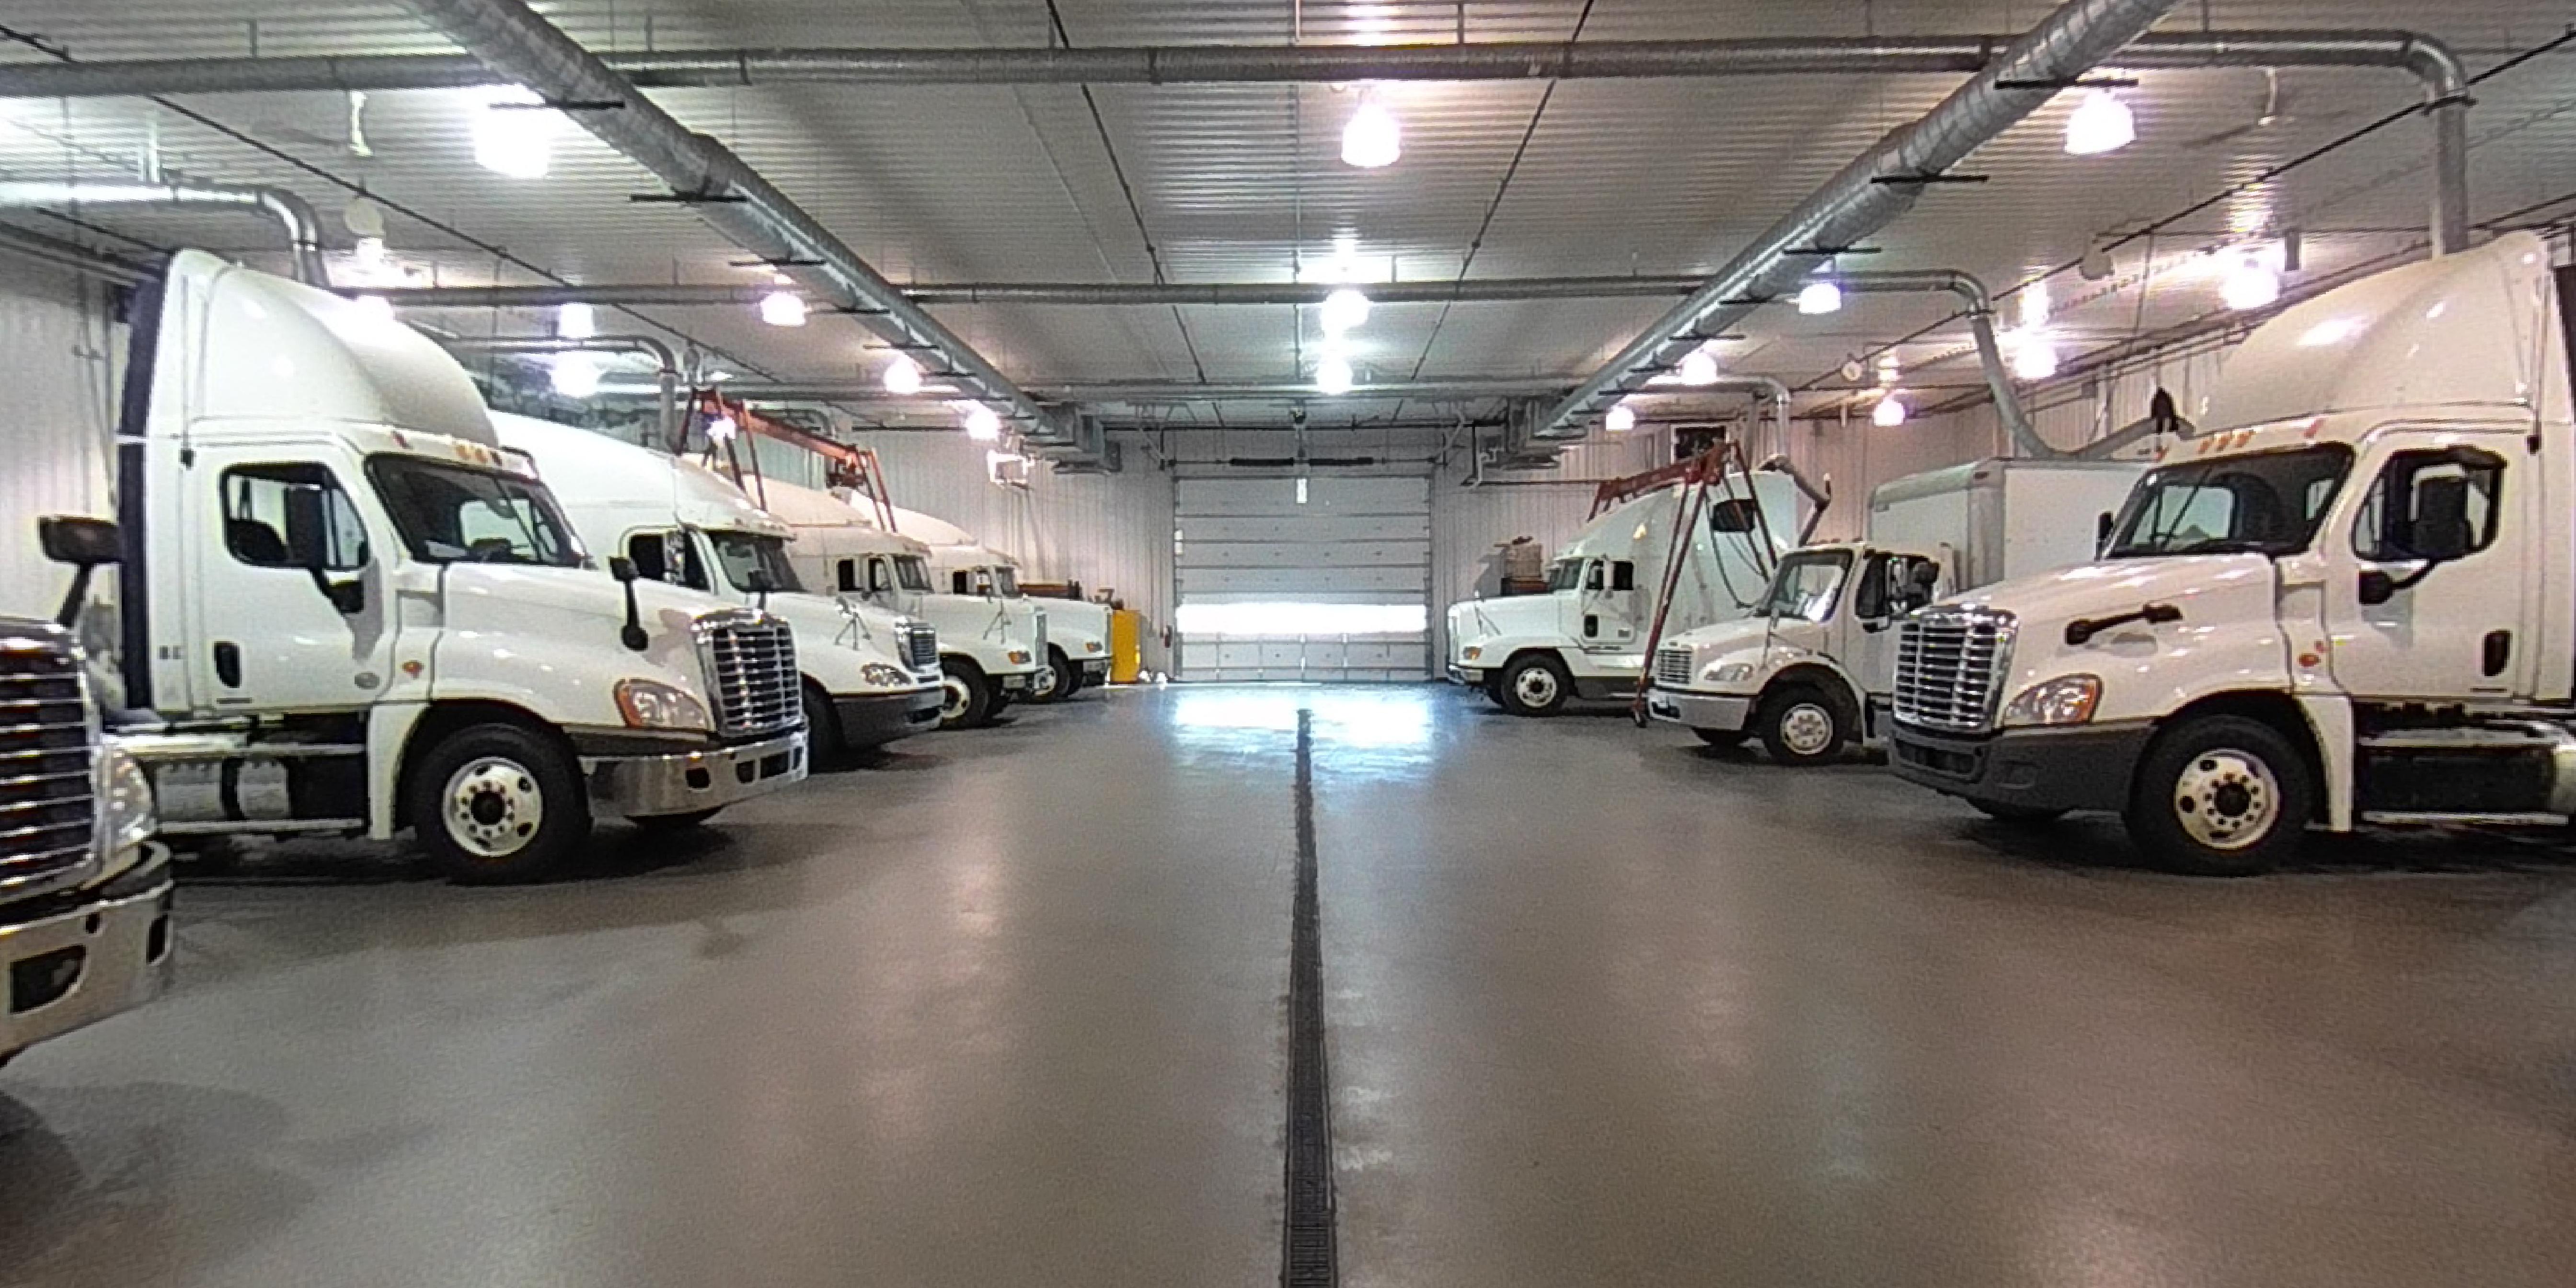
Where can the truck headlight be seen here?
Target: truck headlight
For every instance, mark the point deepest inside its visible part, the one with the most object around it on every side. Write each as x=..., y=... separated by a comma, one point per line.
x=1019, y=657
x=1728, y=673
x=1091, y=646
x=884, y=676
x=2066, y=700
x=125, y=799
x=1472, y=652
x=651, y=704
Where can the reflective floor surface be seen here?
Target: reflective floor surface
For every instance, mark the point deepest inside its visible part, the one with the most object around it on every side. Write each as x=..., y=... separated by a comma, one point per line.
x=1006, y=1008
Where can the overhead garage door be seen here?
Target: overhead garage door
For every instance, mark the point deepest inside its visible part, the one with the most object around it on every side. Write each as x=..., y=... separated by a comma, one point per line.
x=1325, y=580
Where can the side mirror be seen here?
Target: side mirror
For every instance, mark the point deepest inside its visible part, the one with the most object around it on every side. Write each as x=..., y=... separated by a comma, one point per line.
x=631, y=634
x=622, y=568
x=2377, y=587
x=78, y=540
x=308, y=545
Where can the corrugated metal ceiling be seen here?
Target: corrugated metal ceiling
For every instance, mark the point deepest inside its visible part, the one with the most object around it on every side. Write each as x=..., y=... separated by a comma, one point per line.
x=1244, y=182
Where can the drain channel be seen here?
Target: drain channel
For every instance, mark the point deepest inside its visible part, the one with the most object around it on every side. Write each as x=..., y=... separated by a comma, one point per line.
x=1308, y=1257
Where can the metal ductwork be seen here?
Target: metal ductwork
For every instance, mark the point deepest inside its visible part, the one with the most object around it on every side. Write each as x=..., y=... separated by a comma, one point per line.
x=1979, y=307
x=666, y=373
x=1169, y=391
x=509, y=38
x=70, y=256
x=1066, y=293
x=291, y=213
x=2425, y=57
x=1866, y=195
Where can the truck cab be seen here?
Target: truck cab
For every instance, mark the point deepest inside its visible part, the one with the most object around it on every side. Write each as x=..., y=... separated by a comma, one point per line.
x=2348, y=602
x=1809, y=671
x=1077, y=633
x=990, y=644
x=1585, y=638
x=870, y=676
x=353, y=612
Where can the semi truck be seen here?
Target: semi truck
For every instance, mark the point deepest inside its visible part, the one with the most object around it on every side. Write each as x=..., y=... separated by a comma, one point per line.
x=869, y=676
x=1810, y=671
x=353, y=613
x=991, y=646
x=1586, y=638
x=2348, y=601
x=1077, y=651
x=84, y=889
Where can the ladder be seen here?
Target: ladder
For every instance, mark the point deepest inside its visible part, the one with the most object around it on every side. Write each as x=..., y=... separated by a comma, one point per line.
x=1723, y=467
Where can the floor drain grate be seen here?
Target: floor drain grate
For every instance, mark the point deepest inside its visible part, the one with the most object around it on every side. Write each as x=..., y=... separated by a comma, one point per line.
x=1308, y=1257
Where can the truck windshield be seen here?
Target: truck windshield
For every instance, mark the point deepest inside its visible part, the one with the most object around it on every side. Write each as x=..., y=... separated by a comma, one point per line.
x=2269, y=504
x=911, y=573
x=1806, y=585
x=1565, y=574
x=458, y=514
x=743, y=553
x=1006, y=582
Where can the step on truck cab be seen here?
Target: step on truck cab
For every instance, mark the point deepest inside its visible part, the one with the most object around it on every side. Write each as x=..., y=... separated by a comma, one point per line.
x=1586, y=637
x=84, y=889
x=369, y=617
x=990, y=646
x=2349, y=601
x=1810, y=671
x=869, y=676
x=1077, y=633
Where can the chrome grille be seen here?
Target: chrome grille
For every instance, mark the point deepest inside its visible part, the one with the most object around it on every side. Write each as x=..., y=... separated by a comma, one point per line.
x=1037, y=630
x=751, y=662
x=1949, y=664
x=1673, y=664
x=921, y=646
x=48, y=746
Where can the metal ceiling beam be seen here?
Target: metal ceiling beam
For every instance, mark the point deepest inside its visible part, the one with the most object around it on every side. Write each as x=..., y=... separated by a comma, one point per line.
x=292, y=214
x=1068, y=293
x=1866, y=195
x=1170, y=391
x=509, y=38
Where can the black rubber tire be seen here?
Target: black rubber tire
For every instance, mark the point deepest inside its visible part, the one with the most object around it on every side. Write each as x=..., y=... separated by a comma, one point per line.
x=1722, y=738
x=1071, y=681
x=976, y=709
x=822, y=730
x=1792, y=701
x=1060, y=673
x=2018, y=815
x=675, y=822
x=1508, y=691
x=2155, y=810
x=549, y=772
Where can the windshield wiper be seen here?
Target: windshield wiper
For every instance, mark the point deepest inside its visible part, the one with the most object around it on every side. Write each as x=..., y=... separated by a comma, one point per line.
x=2227, y=546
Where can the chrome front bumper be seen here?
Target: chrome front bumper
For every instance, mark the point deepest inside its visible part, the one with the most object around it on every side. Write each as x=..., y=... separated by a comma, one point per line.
x=643, y=786
x=84, y=963
x=1725, y=712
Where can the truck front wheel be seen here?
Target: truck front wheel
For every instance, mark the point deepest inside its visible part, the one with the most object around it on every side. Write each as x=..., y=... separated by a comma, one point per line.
x=497, y=803
x=2221, y=796
x=1537, y=685
x=1802, y=724
x=966, y=697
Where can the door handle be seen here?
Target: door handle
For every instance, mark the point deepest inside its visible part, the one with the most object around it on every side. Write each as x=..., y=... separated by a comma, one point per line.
x=228, y=663
x=2497, y=651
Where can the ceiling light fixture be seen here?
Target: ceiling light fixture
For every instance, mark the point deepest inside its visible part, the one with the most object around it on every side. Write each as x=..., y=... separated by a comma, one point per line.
x=2034, y=357
x=514, y=134
x=575, y=320
x=2250, y=284
x=1890, y=411
x=575, y=375
x=1699, y=368
x=2034, y=305
x=1823, y=295
x=722, y=429
x=982, y=423
x=1620, y=419
x=903, y=376
x=782, y=308
x=1344, y=309
x=2100, y=123
x=1373, y=139
x=1334, y=375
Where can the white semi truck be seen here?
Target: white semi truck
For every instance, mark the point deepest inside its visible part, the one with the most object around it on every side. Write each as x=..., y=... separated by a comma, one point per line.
x=356, y=613
x=1586, y=637
x=870, y=676
x=2349, y=600
x=991, y=646
x=1077, y=652
x=1809, y=671
x=84, y=889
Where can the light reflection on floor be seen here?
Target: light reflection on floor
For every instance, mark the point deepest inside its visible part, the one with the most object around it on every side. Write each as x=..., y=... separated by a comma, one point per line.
x=1381, y=718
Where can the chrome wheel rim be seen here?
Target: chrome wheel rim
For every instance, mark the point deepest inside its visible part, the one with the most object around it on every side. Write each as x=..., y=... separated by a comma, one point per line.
x=1535, y=687
x=493, y=807
x=2227, y=799
x=953, y=698
x=1807, y=729
x=1042, y=685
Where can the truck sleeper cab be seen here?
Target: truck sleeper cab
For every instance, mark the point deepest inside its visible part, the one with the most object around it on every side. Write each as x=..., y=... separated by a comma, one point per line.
x=355, y=613
x=2352, y=603
x=869, y=676
x=990, y=648
x=1808, y=672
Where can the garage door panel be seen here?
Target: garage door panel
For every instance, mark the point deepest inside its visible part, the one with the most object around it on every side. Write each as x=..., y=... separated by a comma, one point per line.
x=1349, y=585
x=1334, y=589
x=1325, y=494
x=1345, y=554
x=1300, y=530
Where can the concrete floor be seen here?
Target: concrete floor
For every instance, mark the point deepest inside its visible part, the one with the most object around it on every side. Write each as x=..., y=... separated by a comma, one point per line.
x=1604, y=1008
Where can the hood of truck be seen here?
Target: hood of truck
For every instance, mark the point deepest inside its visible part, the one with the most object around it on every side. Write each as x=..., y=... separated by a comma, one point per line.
x=825, y=626
x=1511, y=617
x=2229, y=635
x=547, y=639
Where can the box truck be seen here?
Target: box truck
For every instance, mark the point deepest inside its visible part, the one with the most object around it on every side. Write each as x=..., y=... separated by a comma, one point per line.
x=2349, y=601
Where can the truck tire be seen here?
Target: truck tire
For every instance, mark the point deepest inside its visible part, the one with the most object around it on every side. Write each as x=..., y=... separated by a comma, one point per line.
x=1722, y=739
x=659, y=823
x=1055, y=681
x=497, y=803
x=2220, y=796
x=1802, y=724
x=1536, y=685
x=2018, y=815
x=822, y=730
x=966, y=698
x=1070, y=681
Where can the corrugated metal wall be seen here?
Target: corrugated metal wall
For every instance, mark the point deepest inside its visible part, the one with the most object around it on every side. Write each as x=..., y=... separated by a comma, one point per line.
x=57, y=453
x=1468, y=523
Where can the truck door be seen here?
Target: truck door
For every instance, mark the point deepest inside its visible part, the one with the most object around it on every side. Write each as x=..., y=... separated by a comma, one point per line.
x=1609, y=604
x=292, y=607
x=1884, y=588
x=2424, y=592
